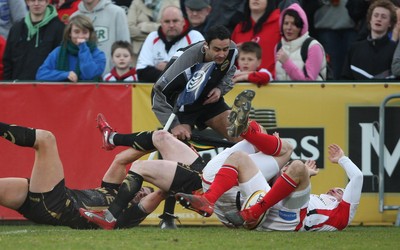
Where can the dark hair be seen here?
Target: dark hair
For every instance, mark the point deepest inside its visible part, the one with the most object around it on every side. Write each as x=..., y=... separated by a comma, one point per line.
x=123, y=45
x=217, y=32
x=386, y=4
x=298, y=22
x=247, y=21
x=251, y=47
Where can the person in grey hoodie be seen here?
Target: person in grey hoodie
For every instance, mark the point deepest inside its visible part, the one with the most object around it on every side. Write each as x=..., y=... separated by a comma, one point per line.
x=11, y=11
x=110, y=24
x=334, y=33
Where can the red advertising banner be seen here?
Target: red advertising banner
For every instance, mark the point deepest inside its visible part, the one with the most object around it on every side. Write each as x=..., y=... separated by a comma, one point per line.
x=69, y=111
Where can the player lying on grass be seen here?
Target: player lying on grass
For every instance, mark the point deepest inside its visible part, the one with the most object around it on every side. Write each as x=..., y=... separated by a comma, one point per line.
x=167, y=174
x=253, y=167
x=44, y=198
x=179, y=171
x=289, y=203
x=239, y=169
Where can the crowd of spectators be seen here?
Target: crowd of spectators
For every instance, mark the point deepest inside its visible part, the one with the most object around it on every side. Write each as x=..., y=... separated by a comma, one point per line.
x=29, y=31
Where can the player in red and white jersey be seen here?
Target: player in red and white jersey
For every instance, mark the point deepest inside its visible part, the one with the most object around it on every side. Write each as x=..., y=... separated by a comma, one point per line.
x=244, y=167
x=264, y=167
x=288, y=202
x=290, y=205
x=335, y=209
x=325, y=212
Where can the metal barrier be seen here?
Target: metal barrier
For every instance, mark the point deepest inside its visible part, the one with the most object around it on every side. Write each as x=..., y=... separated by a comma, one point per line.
x=382, y=206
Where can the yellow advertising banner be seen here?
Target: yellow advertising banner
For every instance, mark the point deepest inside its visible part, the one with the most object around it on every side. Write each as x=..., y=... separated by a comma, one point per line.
x=312, y=116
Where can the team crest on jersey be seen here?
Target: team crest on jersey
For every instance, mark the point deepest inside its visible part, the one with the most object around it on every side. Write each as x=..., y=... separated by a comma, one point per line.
x=196, y=80
x=224, y=65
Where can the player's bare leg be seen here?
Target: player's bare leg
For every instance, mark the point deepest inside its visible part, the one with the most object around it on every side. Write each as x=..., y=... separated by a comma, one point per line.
x=171, y=149
x=117, y=170
x=47, y=169
x=13, y=192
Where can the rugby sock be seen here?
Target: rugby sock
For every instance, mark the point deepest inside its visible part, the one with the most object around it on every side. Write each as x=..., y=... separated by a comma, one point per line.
x=225, y=179
x=141, y=141
x=21, y=136
x=268, y=144
x=283, y=186
x=169, y=206
x=127, y=191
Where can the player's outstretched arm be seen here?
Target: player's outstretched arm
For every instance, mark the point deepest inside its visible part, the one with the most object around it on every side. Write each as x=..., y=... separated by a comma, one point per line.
x=335, y=153
x=352, y=192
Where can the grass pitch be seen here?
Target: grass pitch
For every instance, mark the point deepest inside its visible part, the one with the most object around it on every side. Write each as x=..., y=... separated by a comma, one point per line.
x=206, y=237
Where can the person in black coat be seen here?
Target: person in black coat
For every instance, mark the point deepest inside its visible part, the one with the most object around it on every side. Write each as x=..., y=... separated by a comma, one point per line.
x=372, y=57
x=31, y=40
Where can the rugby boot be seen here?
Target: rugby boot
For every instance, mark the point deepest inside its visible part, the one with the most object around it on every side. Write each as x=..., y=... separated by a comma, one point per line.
x=196, y=203
x=241, y=218
x=106, y=130
x=239, y=116
x=99, y=218
x=168, y=221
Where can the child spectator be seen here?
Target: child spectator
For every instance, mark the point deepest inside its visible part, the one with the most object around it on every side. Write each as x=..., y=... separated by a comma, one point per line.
x=122, y=54
x=260, y=24
x=249, y=61
x=78, y=57
x=110, y=23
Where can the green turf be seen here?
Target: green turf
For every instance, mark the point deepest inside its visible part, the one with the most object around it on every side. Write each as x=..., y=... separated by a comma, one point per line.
x=207, y=237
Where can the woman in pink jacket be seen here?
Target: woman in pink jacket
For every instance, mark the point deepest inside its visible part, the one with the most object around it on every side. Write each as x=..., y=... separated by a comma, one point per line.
x=290, y=63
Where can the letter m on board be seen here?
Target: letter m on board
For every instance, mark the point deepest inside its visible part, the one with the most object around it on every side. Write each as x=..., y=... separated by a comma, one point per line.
x=363, y=141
